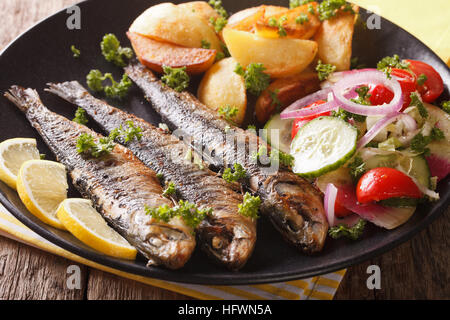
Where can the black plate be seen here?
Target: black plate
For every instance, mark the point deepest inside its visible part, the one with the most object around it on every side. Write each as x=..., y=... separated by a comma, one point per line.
x=42, y=55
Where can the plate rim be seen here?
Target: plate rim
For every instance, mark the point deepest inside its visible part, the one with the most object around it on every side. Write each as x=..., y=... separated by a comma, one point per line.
x=246, y=279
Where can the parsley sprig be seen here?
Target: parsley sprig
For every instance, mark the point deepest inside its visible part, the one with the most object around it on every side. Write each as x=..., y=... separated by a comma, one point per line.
x=127, y=134
x=297, y=3
x=446, y=106
x=329, y=8
x=76, y=52
x=275, y=156
x=420, y=142
x=357, y=168
x=417, y=101
x=189, y=212
x=250, y=206
x=352, y=233
x=113, y=52
x=238, y=174
x=117, y=90
x=176, y=78
x=273, y=22
x=228, y=112
x=324, y=71
x=80, y=116
x=387, y=63
x=170, y=190
x=256, y=80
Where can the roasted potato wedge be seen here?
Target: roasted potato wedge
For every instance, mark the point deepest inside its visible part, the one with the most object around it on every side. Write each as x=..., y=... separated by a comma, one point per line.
x=294, y=29
x=288, y=90
x=270, y=11
x=221, y=86
x=170, y=23
x=281, y=57
x=201, y=8
x=334, y=38
x=155, y=55
x=246, y=20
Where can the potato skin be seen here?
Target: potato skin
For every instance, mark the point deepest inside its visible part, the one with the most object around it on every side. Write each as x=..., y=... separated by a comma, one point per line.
x=334, y=38
x=221, y=86
x=155, y=54
x=281, y=57
x=201, y=8
x=170, y=23
x=289, y=89
x=245, y=20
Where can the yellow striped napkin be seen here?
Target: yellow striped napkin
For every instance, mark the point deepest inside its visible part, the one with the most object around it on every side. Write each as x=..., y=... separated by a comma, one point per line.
x=321, y=288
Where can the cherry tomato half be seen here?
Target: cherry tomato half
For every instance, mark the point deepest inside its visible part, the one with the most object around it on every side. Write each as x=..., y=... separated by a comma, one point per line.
x=386, y=183
x=433, y=86
x=300, y=122
x=380, y=94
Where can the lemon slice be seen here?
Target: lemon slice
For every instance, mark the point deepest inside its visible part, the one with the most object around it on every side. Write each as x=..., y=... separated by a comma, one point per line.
x=88, y=226
x=42, y=186
x=13, y=153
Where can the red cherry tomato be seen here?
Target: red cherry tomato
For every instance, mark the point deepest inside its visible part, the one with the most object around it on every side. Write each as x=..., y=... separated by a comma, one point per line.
x=300, y=122
x=380, y=95
x=434, y=86
x=340, y=211
x=386, y=183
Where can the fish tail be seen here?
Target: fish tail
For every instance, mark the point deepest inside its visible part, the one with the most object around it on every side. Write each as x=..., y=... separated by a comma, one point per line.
x=70, y=91
x=23, y=98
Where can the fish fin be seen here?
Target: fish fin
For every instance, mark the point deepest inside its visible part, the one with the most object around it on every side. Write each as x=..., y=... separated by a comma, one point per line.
x=22, y=98
x=69, y=91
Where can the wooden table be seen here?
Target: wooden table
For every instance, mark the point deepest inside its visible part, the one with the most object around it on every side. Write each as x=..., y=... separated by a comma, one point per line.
x=416, y=270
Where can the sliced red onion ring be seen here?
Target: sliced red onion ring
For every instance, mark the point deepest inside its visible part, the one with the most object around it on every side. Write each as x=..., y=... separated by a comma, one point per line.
x=306, y=101
x=374, y=77
x=306, y=112
x=389, y=218
x=409, y=122
x=330, y=202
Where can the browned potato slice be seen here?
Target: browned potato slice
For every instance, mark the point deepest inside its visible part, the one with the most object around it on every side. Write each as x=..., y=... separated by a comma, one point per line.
x=201, y=8
x=155, y=55
x=334, y=38
x=293, y=28
x=170, y=23
x=288, y=91
x=281, y=57
x=221, y=86
x=246, y=20
x=270, y=11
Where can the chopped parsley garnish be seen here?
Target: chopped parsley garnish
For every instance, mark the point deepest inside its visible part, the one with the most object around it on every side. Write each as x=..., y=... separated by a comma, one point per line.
x=446, y=106
x=302, y=18
x=116, y=90
x=75, y=51
x=387, y=63
x=189, y=212
x=419, y=143
x=256, y=81
x=228, y=112
x=275, y=156
x=345, y=115
x=297, y=3
x=127, y=134
x=224, y=54
x=324, y=70
x=421, y=79
x=170, y=190
x=275, y=100
x=206, y=44
x=176, y=78
x=357, y=169
x=363, y=96
x=113, y=52
x=217, y=5
x=416, y=101
x=80, y=116
x=238, y=174
x=311, y=9
x=329, y=8
x=218, y=23
x=86, y=144
x=251, y=127
x=250, y=207
x=279, y=24
x=352, y=233
x=42, y=156
x=160, y=176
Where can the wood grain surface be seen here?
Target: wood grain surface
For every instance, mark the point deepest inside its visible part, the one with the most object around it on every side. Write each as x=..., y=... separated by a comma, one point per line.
x=416, y=270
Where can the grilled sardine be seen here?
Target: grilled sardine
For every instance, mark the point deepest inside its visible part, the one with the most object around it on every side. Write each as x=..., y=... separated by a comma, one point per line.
x=226, y=235
x=119, y=185
x=292, y=204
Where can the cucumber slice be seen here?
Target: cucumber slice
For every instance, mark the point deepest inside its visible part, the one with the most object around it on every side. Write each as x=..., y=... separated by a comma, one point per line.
x=416, y=167
x=281, y=142
x=323, y=145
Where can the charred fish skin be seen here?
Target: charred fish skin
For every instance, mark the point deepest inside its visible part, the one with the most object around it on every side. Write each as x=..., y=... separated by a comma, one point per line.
x=292, y=204
x=119, y=185
x=227, y=236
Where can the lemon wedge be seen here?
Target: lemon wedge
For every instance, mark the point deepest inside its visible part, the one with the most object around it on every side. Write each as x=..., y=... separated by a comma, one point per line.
x=88, y=226
x=13, y=153
x=42, y=186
